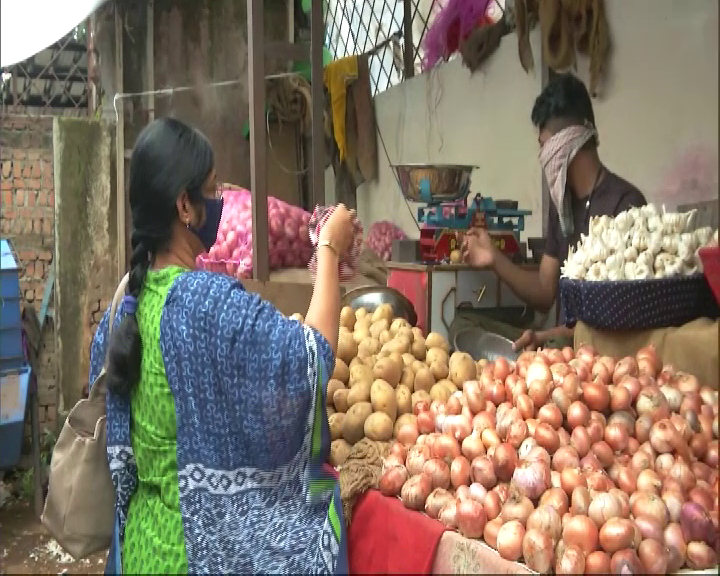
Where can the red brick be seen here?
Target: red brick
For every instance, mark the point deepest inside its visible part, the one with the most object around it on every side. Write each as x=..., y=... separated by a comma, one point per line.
x=19, y=154
x=20, y=197
x=33, y=155
x=47, y=226
x=27, y=170
x=44, y=255
x=42, y=198
x=7, y=199
x=6, y=184
x=17, y=169
x=33, y=184
x=30, y=198
x=7, y=168
x=51, y=200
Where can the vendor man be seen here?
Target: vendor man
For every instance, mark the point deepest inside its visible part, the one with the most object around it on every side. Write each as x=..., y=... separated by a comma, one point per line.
x=580, y=187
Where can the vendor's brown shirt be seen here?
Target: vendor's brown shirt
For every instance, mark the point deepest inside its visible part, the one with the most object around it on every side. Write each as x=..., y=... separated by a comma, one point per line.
x=612, y=196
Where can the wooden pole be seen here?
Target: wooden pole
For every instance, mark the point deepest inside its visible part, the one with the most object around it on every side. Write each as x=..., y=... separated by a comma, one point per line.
x=258, y=139
x=409, y=53
x=150, y=58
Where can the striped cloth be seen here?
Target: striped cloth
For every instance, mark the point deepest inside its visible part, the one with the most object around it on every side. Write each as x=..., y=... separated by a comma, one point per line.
x=349, y=261
x=555, y=156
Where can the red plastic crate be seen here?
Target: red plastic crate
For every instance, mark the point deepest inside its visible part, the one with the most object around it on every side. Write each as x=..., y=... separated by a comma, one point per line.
x=710, y=256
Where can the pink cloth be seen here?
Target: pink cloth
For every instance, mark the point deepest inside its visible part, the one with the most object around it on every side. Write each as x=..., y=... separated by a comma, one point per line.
x=349, y=261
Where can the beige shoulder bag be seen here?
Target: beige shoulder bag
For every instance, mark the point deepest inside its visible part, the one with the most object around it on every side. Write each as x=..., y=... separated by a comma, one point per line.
x=80, y=506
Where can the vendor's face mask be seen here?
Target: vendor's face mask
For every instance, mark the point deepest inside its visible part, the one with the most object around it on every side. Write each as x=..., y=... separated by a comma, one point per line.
x=207, y=233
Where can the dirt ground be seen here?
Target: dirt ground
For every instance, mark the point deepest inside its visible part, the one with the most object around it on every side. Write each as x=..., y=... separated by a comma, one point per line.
x=26, y=548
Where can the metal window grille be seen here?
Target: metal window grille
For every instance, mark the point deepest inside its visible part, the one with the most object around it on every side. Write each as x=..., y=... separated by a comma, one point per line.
x=56, y=77
x=356, y=27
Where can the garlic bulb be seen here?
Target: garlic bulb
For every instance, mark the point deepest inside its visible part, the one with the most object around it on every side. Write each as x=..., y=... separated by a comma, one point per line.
x=629, y=270
x=640, y=243
x=630, y=254
x=597, y=272
x=642, y=272
x=670, y=244
x=639, y=240
x=655, y=242
x=703, y=235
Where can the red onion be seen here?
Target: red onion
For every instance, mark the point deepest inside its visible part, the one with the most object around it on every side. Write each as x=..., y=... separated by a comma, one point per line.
x=471, y=518
x=696, y=524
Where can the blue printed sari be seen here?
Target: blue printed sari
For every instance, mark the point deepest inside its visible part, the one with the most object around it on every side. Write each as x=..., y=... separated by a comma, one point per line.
x=249, y=387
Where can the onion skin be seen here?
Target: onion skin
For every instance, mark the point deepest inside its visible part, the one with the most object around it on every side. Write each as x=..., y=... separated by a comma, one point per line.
x=492, y=505
x=649, y=504
x=546, y=519
x=392, y=480
x=626, y=562
x=603, y=507
x=518, y=508
x=448, y=514
x=532, y=479
x=415, y=492
x=510, y=540
x=438, y=472
x=570, y=560
x=460, y=472
x=505, y=459
x=653, y=556
x=696, y=524
x=436, y=501
x=557, y=499
x=490, y=534
x=616, y=534
x=700, y=556
x=597, y=562
x=483, y=472
x=676, y=545
x=538, y=551
x=471, y=518
x=582, y=532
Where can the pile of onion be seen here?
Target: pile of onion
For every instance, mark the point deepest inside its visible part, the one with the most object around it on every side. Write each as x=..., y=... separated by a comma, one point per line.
x=572, y=462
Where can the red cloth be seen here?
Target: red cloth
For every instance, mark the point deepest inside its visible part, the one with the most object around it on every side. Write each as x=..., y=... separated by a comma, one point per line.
x=386, y=538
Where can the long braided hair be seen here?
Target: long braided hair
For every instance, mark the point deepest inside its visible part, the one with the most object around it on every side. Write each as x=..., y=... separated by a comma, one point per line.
x=169, y=158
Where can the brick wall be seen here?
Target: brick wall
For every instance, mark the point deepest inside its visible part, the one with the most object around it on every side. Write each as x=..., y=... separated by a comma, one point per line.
x=27, y=218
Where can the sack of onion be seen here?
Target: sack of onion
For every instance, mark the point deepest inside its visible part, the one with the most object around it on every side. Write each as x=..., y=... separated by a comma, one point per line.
x=570, y=462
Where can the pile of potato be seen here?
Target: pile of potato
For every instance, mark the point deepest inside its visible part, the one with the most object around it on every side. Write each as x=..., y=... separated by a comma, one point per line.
x=384, y=367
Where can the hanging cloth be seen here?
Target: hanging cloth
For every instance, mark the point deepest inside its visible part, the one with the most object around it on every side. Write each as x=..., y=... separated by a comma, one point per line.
x=337, y=76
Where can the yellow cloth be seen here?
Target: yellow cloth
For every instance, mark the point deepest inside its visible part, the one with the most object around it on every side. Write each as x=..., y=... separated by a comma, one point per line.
x=337, y=76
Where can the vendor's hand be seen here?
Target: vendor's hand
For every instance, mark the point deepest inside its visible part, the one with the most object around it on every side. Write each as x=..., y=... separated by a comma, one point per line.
x=339, y=230
x=478, y=248
x=528, y=341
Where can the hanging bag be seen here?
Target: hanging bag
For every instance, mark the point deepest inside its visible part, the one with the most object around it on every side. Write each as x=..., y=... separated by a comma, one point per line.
x=80, y=506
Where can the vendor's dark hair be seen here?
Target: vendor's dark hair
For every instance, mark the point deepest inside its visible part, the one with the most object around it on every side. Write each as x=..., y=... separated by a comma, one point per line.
x=563, y=102
x=169, y=157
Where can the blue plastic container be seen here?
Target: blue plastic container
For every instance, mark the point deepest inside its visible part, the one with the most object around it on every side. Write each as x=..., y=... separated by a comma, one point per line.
x=14, y=388
x=12, y=355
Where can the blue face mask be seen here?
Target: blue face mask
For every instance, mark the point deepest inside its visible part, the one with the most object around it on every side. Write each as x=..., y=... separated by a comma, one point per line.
x=208, y=231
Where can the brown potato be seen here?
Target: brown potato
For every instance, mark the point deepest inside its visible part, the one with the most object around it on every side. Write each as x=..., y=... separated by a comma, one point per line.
x=435, y=340
x=408, y=378
x=361, y=313
x=341, y=371
x=347, y=318
x=384, y=337
x=449, y=385
x=424, y=380
x=355, y=362
x=339, y=451
x=383, y=312
x=408, y=359
x=330, y=410
x=418, y=365
x=418, y=333
x=340, y=400
x=335, y=422
x=399, y=323
x=463, y=369
x=387, y=369
x=420, y=396
x=383, y=399
x=361, y=333
x=347, y=347
x=360, y=392
x=368, y=347
x=354, y=422
x=440, y=393
x=397, y=358
x=379, y=427
x=436, y=355
x=439, y=370
x=405, y=332
x=378, y=327
x=418, y=349
x=403, y=419
x=369, y=361
x=403, y=396
x=398, y=344
x=361, y=373
x=333, y=385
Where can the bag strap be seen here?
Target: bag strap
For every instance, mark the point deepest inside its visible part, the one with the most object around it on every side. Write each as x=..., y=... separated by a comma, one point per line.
x=99, y=388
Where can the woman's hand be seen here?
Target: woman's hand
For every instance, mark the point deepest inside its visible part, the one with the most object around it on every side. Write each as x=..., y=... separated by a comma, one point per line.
x=339, y=230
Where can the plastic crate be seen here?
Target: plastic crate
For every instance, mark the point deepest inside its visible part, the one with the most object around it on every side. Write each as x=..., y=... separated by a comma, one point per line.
x=14, y=388
x=710, y=256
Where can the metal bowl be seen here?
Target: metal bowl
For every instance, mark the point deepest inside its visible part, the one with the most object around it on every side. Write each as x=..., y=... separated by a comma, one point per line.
x=434, y=183
x=370, y=297
x=482, y=345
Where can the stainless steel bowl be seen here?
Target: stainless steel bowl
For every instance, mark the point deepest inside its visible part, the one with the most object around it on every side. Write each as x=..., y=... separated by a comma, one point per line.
x=370, y=297
x=482, y=345
x=445, y=182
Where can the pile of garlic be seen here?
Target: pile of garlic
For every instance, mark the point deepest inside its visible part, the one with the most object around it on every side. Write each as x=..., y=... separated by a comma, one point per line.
x=638, y=244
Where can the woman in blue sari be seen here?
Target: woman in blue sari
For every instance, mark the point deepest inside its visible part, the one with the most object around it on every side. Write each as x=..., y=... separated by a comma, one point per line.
x=217, y=432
